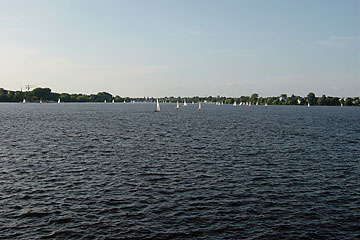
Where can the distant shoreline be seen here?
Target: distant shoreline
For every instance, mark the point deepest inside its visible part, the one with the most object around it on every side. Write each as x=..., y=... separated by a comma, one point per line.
x=47, y=96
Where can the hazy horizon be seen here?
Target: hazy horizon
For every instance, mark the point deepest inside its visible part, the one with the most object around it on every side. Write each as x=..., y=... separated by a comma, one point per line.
x=182, y=48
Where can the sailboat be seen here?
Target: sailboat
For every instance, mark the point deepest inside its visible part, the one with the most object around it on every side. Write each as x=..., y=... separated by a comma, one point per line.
x=342, y=105
x=185, y=104
x=40, y=101
x=24, y=101
x=124, y=101
x=59, y=100
x=199, y=107
x=234, y=104
x=249, y=104
x=177, y=104
x=308, y=104
x=157, y=109
x=105, y=101
x=265, y=104
x=193, y=103
x=257, y=103
x=113, y=100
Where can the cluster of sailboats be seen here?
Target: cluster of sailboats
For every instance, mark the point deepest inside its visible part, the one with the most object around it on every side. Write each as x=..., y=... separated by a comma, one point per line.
x=157, y=109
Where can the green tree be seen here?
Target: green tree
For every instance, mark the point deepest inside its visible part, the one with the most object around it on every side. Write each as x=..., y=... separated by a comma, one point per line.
x=42, y=93
x=254, y=97
x=3, y=95
x=19, y=96
x=65, y=97
x=102, y=96
x=348, y=101
x=322, y=100
x=311, y=98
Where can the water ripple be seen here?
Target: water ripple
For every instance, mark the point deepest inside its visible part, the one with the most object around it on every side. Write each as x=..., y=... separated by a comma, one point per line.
x=120, y=171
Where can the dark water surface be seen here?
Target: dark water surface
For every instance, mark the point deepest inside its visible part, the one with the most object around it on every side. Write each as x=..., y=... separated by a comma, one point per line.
x=121, y=171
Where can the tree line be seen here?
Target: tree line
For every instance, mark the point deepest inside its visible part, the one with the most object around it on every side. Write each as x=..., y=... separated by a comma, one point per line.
x=283, y=99
x=46, y=95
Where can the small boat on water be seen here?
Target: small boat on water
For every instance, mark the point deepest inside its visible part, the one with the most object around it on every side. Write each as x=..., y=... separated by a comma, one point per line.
x=113, y=100
x=193, y=103
x=308, y=105
x=40, y=101
x=234, y=104
x=199, y=107
x=105, y=101
x=177, y=104
x=265, y=104
x=59, y=101
x=185, y=104
x=24, y=101
x=157, y=109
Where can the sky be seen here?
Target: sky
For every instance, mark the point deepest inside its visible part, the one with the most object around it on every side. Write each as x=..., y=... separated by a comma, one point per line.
x=182, y=47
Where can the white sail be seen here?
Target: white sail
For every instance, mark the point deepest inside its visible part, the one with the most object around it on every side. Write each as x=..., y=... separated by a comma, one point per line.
x=234, y=104
x=193, y=102
x=113, y=100
x=177, y=104
x=157, y=109
x=257, y=103
x=265, y=104
x=104, y=101
x=124, y=101
x=199, y=107
x=185, y=104
x=24, y=101
x=59, y=100
x=40, y=101
x=249, y=104
x=342, y=105
x=308, y=104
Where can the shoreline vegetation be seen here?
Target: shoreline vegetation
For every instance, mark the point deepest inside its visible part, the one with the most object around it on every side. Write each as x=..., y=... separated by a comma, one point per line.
x=46, y=95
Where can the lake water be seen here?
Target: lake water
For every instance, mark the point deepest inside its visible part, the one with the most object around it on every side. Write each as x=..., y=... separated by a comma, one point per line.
x=121, y=171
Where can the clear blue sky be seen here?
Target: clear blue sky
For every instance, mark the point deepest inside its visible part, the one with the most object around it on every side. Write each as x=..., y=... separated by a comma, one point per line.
x=182, y=47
